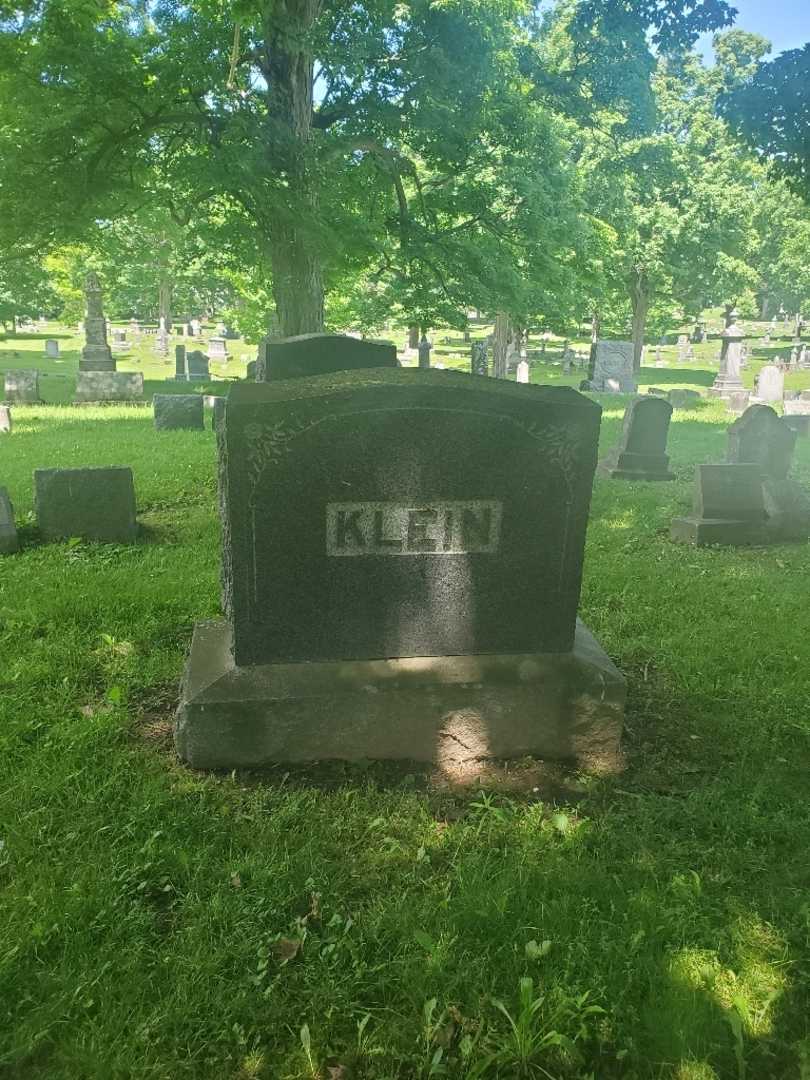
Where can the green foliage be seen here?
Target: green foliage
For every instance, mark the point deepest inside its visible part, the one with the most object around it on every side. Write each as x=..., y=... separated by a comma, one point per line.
x=769, y=109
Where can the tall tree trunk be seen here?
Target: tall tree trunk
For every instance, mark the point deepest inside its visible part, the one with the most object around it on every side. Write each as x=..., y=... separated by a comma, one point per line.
x=500, y=344
x=295, y=258
x=165, y=290
x=640, y=300
x=413, y=336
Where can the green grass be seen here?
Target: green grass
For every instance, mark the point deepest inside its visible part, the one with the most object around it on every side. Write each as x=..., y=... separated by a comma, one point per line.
x=159, y=923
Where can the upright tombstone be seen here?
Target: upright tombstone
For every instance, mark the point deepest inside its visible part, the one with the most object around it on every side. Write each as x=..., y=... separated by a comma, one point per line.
x=522, y=372
x=197, y=366
x=317, y=354
x=178, y=411
x=5, y=420
x=52, y=348
x=728, y=508
x=250, y=370
x=641, y=451
x=180, y=363
x=99, y=386
x=385, y=600
x=22, y=387
x=728, y=378
x=96, y=353
x=737, y=401
x=93, y=503
x=762, y=438
x=424, y=352
x=612, y=367
x=217, y=348
x=683, y=347
x=682, y=399
x=478, y=358
x=8, y=530
x=770, y=384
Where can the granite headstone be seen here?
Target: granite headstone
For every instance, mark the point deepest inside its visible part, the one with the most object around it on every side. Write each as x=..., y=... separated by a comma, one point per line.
x=641, y=451
x=176, y=411
x=91, y=503
x=5, y=420
x=96, y=352
x=92, y=386
x=52, y=348
x=387, y=600
x=197, y=366
x=612, y=365
x=729, y=507
x=319, y=354
x=8, y=530
x=22, y=387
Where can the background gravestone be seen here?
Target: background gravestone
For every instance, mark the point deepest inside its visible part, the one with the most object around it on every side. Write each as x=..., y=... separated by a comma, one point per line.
x=93, y=503
x=5, y=420
x=22, y=387
x=729, y=507
x=318, y=354
x=96, y=352
x=93, y=386
x=731, y=356
x=180, y=363
x=8, y=530
x=52, y=348
x=351, y=547
x=197, y=366
x=682, y=399
x=613, y=360
x=641, y=452
x=178, y=411
x=759, y=437
x=217, y=348
x=770, y=383
x=478, y=358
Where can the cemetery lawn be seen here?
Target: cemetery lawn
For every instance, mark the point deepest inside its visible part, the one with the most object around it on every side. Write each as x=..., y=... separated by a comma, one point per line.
x=343, y=923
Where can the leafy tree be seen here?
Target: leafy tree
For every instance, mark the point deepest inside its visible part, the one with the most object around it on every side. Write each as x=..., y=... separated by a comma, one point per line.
x=317, y=129
x=770, y=110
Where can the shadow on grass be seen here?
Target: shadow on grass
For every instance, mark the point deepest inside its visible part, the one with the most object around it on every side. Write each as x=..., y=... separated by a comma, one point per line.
x=654, y=375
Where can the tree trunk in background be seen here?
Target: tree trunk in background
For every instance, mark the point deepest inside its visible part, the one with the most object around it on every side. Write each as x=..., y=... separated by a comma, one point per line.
x=413, y=336
x=287, y=65
x=640, y=300
x=499, y=345
x=764, y=306
x=165, y=303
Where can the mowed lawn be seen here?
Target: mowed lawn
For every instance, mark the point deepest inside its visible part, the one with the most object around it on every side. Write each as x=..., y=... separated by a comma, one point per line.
x=341, y=922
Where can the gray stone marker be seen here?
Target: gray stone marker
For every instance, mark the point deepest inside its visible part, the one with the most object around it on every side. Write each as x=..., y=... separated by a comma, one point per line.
x=180, y=363
x=8, y=530
x=52, y=348
x=425, y=348
x=729, y=507
x=92, y=386
x=522, y=372
x=798, y=422
x=612, y=367
x=770, y=385
x=796, y=407
x=478, y=358
x=683, y=399
x=197, y=366
x=728, y=378
x=384, y=600
x=174, y=411
x=762, y=438
x=5, y=420
x=216, y=403
x=250, y=370
x=22, y=387
x=96, y=353
x=318, y=354
x=217, y=349
x=93, y=503
x=641, y=452
x=737, y=401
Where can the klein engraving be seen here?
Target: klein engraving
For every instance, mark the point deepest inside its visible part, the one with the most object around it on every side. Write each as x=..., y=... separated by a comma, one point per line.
x=432, y=528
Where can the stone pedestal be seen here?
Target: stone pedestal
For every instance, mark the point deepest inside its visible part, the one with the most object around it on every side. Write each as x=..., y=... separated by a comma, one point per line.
x=95, y=386
x=442, y=709
x=729, y=507
x=728, y=379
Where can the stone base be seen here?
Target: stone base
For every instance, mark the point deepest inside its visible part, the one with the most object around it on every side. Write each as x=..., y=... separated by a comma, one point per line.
x=723, y=386
x=99, y=386
x=631, y=466
x=704, y=531
x=449, y=710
